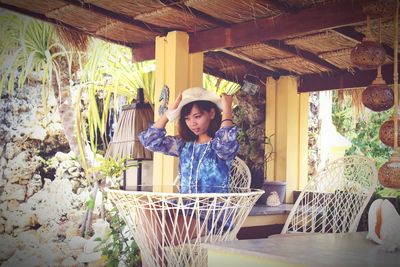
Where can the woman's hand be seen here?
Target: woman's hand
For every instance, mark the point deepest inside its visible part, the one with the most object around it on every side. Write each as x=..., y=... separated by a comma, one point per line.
x=176, y=102
x=226, y=102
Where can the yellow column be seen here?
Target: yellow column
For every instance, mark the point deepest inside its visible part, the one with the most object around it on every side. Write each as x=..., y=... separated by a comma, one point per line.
x=179, y=70
x=287, y=119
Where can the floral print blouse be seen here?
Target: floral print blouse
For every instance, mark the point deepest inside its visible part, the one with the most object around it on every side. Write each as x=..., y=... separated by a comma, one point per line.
x=203, y=168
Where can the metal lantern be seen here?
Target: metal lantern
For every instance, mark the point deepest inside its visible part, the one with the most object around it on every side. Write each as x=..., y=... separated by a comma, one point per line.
x=378, y=96
x=389, y=173
x=386, y=133
x=368, y=54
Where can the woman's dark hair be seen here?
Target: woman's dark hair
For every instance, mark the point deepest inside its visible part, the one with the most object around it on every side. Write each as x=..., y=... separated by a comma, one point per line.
x=185, y=133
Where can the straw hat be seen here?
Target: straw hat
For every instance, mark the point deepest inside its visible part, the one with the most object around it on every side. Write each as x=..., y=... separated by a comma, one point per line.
x=191, y=95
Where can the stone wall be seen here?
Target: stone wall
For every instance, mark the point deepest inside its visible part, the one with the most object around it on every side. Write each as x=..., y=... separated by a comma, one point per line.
x=43, y=188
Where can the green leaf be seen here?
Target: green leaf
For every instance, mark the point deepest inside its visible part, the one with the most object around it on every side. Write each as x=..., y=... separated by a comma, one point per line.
x=90, y=203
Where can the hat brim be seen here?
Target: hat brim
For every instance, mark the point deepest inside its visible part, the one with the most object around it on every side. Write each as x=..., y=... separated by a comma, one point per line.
x=174, y=114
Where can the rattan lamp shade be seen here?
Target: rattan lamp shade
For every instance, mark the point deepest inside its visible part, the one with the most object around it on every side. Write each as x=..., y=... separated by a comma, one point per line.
x=378, y=96
x=134, y=119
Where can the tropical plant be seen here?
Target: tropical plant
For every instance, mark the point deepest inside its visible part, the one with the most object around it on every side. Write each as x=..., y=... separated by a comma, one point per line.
x=119, y=249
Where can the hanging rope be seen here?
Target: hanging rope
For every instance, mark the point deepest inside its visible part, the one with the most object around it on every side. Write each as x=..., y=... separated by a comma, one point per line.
x=395, y=79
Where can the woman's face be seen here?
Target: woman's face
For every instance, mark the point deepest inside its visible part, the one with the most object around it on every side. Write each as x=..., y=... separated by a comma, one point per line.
x=199, y=120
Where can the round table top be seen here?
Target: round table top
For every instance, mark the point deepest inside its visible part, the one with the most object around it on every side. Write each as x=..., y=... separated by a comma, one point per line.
x=169, y=190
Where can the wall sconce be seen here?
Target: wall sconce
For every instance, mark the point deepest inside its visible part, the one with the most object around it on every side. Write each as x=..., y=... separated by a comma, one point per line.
x=250, y=85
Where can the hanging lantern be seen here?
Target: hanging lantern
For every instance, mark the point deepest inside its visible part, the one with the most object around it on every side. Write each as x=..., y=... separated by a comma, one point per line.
x=386, y=133
x=378, y=96
x=389, y=173
x=368, y=54
x=379, y=8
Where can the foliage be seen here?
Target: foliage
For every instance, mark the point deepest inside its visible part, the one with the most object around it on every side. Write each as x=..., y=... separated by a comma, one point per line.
x=110, y=168
x=364, y=134
x=219, y=85
x=28, y=46
x=119, y=248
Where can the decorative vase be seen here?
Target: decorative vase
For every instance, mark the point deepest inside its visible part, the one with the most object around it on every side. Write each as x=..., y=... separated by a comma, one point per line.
x=389, y=173
x=386, y=133
x=378, y=96
x=368, y=55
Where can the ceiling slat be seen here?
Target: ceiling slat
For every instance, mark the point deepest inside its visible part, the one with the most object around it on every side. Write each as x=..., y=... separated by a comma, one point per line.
x=117, y=16
x=313, y=58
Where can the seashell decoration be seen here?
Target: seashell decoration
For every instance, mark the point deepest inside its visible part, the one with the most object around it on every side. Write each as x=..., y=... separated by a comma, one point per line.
x=368, y=54
x=384, y=225
x=386, y=133
x=378, y=96
x=273, y=199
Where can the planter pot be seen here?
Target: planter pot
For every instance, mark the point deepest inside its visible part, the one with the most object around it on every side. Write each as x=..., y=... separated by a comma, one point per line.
x=269, y=187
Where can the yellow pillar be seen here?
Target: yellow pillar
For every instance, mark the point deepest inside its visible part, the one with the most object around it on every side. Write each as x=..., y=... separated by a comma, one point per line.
x=179, y=70
x=287, y=121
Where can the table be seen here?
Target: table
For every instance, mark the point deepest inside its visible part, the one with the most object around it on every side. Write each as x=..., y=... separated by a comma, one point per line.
x=319, y=250
x=169, y=226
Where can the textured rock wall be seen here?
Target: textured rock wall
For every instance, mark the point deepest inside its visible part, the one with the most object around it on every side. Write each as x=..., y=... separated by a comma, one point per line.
x=42, y=187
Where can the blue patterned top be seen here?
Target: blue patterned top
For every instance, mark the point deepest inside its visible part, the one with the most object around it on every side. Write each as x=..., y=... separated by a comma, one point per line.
x=213, y=172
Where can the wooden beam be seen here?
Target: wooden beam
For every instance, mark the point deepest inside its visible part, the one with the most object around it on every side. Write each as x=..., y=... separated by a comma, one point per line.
x=326, y=81
x=295, y=51
x=42, y=17
x=178, y=5
x=350, y=33
x=118, y=16
x=311, y=19
x=328, y=16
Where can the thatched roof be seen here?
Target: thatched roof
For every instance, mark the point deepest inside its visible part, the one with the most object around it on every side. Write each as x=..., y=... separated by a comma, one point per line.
x=311, y=39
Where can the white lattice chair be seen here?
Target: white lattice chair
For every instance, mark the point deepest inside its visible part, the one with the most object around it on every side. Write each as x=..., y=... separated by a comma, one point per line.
x=240, y=176
x=217, y=216
x=335, y=198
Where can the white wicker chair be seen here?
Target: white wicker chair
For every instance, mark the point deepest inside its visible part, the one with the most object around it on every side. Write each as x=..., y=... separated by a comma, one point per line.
x=335, y=198
x=240, y=176
x=217, y=216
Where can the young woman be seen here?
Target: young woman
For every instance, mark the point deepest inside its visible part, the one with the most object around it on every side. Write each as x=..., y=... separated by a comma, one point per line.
x=206, y=144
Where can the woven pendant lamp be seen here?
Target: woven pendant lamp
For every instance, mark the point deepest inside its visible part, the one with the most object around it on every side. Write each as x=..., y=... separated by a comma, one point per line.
x=134, y=119
x=369, y=54
x=378, y=96
x=389, y=173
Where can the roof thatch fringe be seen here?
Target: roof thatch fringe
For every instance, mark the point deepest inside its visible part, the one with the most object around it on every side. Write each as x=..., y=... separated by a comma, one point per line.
x=234, y=11
x=321, y=42
x=357, y=107
x=74, y=40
